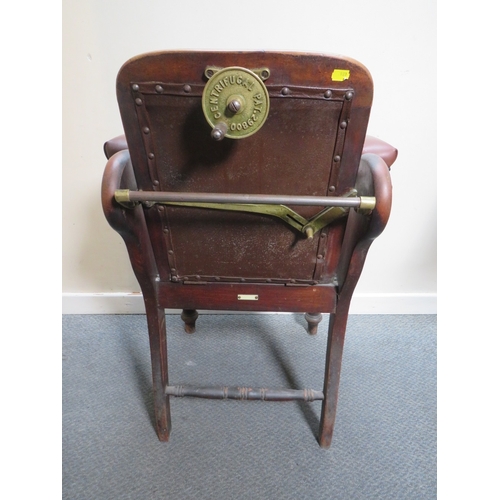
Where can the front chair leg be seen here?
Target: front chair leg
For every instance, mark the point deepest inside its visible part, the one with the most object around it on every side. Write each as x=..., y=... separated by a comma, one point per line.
x=189, y=316
x=158, y=346
x=336, y=335
x=313, y=319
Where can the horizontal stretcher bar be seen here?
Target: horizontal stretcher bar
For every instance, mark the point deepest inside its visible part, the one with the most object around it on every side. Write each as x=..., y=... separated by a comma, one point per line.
x=127, y=196
x=244, y=393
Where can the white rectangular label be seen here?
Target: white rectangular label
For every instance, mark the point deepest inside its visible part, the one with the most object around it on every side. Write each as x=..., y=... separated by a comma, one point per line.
x=248, y=297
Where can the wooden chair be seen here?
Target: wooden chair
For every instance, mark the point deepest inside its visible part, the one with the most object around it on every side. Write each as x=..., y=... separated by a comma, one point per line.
x=246, y=183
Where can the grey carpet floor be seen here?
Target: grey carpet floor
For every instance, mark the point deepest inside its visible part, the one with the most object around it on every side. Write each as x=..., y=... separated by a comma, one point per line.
x=384, y=444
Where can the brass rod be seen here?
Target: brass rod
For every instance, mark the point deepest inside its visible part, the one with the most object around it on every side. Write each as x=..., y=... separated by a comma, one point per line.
x=167, y=196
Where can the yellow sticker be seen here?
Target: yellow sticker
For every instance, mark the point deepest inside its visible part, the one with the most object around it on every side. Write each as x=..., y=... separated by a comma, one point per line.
x=339, y=75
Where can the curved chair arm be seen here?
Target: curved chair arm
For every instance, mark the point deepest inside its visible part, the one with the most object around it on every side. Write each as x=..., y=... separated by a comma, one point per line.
x=372, y=145
x=114, y=145
x=129, y=223
x=373, y=180
x=377, y=146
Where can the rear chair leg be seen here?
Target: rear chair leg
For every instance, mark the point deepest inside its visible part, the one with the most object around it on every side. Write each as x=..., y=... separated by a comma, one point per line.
x=158, y=346
x=189, y=316
x=336, y=335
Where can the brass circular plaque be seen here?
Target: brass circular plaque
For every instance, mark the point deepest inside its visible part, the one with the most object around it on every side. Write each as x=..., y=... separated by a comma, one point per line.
x=235, y=102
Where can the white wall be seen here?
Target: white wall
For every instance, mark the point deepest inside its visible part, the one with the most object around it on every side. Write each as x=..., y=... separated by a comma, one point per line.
x=395, y=39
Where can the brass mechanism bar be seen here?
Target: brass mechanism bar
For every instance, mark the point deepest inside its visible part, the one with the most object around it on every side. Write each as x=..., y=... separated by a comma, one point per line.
x=244, y=393
x=127, y=196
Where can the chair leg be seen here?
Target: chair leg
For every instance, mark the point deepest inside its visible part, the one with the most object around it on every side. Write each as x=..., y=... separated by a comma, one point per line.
x=189, y=316
x=313, y=319
x=158, y=347
x=335, y=346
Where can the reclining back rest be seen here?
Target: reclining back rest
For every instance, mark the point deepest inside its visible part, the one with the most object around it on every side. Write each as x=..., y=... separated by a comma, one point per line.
x=310, y=144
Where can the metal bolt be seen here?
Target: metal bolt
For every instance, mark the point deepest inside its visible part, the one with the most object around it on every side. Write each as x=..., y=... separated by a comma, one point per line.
x=217, y=135
x=159, y=89
x=146, y=130
x=135, y=87
x=187, y=88
x=328, y=94
x=156, y=183
x=336, y=158
x=343, y=124
x=234, y=105
x=349, y=95
x=138, y=102
x=151, y=156
x=285, y=91
x=331, y=189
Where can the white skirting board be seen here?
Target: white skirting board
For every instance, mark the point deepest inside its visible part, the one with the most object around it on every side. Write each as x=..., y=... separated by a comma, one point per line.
x=362, y=303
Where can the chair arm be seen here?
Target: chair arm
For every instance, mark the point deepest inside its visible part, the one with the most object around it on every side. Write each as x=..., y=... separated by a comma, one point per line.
x=118, y=174
x=373, y=180
x=128, y=222
x=382, y=190
x=114, y=145
x=376, y=146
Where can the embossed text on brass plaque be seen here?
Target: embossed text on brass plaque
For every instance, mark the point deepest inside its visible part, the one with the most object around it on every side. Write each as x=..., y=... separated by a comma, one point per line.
x=235, y=103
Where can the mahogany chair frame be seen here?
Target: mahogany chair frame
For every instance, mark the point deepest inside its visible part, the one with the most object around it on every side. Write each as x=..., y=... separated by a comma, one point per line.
x=144, y=161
